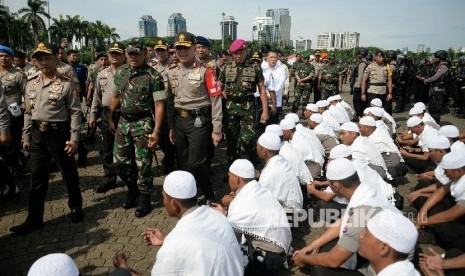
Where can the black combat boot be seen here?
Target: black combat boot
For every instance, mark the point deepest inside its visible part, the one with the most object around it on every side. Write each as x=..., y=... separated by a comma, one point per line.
x=145, y=206
x=131, y=198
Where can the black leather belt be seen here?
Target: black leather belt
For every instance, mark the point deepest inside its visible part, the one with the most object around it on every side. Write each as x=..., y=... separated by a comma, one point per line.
x=48, y=126
x=137, y=116
x=184, y=113
x=378, y=84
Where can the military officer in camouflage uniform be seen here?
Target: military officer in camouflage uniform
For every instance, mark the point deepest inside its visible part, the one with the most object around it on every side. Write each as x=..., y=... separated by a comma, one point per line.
x=304, y=74
x=52, y=123
x=330, y=79
x=13, y=82
x=241, y=78
x=194, y=112
x=140, y=93
x=437, y=84
x=103, y=88
x=377, y=81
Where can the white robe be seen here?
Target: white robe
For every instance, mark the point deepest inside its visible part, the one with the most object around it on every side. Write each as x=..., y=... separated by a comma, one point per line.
x=297, y=162
x=331, y=121
x=255, y=212
x=400, y=268
x=428, y=120
x=348, y=108
x=364, y=150
x=426, y=134
x=305, y=141
x=384, y=142
x=324, y=129
x=339, y=113
x=202, y=243
x=388, y=117
x=372, y=178
x=279, y=177
x=363, y=195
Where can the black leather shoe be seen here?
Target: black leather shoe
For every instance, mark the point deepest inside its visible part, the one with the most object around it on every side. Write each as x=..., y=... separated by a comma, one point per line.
x=145, y=206
x=131, y=199
x=76, y=215
x=103, y=188
x=26, y=227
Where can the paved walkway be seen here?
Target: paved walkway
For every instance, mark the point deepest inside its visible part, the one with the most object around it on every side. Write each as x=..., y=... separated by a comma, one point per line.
x=107, y=228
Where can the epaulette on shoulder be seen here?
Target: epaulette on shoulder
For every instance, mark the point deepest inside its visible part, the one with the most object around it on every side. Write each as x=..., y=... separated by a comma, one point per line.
x=63, y=77
x=33, y=77
x=172, y=66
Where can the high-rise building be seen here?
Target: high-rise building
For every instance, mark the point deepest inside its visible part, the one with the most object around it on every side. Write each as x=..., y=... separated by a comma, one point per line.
x=262, y=29
x=147, y=26
x=404, y=50
x=303, y=45
x=428, y=50
x=331, y=41
x=229, y=27
x=420, y=48
x=281, y=32
x=176, y=24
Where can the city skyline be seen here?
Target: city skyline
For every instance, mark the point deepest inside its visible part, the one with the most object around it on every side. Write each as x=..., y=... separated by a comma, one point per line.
x=398, y=23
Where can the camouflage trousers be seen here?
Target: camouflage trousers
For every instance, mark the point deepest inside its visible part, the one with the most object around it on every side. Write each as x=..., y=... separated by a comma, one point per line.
x=301, y=96
x=131, y=155
x=326, y=93
x=240, y=132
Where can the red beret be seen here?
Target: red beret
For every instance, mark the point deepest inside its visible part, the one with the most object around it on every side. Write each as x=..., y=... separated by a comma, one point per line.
x=236, y=45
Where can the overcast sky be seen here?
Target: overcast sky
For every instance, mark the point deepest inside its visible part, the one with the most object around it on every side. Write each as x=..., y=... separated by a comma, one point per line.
x=390, y=24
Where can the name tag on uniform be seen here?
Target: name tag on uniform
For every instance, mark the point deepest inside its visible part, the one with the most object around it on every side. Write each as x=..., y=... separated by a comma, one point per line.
x=193, y=77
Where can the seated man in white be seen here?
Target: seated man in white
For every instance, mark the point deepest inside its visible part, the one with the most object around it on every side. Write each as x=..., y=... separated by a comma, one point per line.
x=256, y=215
x=363, y=148
x=452, y=132
x=328, y=117
x=308, y=147
x=323, y=132
x=384, y=116
x=278, y=175
x=202, y=242
x=386, y=243
x=345, y=105
x=292, y=155
x=338, y=111
x=384, y=143
x=322, y=255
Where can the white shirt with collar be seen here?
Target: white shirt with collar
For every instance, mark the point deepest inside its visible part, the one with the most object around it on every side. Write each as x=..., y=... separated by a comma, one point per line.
x=275, y=80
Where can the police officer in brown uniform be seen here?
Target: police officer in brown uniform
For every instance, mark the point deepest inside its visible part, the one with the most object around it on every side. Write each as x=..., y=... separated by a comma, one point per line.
x=13, y=82
x=103, y=88
x=5, y=138
x=193, y=110
x=51, y=130
x=377, y=81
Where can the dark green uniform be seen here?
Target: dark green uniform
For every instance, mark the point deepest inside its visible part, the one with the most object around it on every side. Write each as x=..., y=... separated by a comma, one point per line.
x=137, y=90
x=329, y=80
x=302, y=93
x=240, y=85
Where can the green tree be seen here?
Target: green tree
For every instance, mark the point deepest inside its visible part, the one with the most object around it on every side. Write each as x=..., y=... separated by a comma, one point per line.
x=31, y=14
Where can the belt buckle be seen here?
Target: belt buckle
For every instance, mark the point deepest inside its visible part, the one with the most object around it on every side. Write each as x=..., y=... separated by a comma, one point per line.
x=184, y=113
x=43, y=126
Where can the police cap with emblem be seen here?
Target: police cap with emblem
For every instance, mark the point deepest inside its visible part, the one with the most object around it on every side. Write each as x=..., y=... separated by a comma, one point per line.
x=161, y=44
x=184, y=39
x=44, y=48
x=117, y=47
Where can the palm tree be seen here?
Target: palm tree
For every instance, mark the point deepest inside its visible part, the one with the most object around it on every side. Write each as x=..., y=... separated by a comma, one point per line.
x=112, y=35
x=32, y=13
